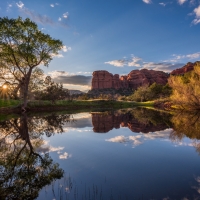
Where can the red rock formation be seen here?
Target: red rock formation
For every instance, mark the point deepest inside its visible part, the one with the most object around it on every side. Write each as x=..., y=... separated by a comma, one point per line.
x=136, y=78
x=103, y=123
x=188, y=67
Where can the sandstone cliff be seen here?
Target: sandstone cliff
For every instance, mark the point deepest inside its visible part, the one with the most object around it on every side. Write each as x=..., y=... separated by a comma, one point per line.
x=188, y=67
x=105, y=80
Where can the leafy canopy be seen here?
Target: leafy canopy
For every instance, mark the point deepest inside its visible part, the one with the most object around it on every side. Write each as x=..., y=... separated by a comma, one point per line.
x=22, y=45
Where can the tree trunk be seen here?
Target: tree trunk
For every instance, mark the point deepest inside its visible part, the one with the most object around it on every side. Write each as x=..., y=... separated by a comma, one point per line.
x=25, y=90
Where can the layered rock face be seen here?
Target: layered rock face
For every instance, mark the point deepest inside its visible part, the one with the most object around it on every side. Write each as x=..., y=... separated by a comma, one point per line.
x=188, y=67
x=105, y=80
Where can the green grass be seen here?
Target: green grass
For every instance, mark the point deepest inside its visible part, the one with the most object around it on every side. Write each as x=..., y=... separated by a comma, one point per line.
x=85, y=104
x=8, y=103
x=90, y=103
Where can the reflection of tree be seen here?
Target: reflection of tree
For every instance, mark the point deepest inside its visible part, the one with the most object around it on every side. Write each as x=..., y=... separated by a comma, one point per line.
x=186, y=124
x=149, y=116
x=23, y=171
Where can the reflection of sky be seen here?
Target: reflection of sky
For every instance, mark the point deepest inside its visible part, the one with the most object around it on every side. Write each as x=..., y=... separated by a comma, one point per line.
x=154, y=167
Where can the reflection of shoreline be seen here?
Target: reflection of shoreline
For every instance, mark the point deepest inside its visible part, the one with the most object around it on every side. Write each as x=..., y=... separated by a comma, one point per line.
x=105, y=122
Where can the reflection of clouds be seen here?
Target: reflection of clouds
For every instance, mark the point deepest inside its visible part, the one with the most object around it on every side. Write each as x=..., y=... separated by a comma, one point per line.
x=64, y=156
x=118, y=139
x=135, y=140
x=46, y=148
x=139, y=139
x=158, y=134
x=197, y=188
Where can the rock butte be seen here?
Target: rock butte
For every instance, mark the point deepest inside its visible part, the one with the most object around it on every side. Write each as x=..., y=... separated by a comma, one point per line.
x=188, y=67
x=104, y=80
x=105, y=123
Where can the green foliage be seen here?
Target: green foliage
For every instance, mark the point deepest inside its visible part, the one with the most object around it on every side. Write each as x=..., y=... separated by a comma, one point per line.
x=186, y=89
x=52, y=91
x=23, y=47
x=152, y=92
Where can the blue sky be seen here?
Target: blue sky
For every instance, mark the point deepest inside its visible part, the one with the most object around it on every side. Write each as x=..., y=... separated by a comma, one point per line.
x=117, y=36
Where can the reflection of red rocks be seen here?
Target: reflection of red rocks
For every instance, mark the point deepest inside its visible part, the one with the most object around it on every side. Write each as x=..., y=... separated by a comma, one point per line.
x=105, y=80
x=103, y=123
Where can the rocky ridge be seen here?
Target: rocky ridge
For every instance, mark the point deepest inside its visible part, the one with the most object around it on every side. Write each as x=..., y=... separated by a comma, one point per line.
x=102, y=79
x=186, y=68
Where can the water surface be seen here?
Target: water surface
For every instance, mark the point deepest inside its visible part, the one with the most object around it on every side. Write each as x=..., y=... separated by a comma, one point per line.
x=124, y=154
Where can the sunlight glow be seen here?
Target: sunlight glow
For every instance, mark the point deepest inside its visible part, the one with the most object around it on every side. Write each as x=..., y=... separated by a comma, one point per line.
x=5, y=86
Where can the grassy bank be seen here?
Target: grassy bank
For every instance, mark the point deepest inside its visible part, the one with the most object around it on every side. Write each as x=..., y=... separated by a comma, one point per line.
x=73, y=105
x=8, y=103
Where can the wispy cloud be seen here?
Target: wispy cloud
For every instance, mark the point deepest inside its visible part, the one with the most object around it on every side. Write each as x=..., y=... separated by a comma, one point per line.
x=162, y=4
x=66, y=15
x=176, y=58
x=133, y=62
x=117, y=63
x=147, y=1
x=66, y=49
x=60, y=55
x=20, y=4
x=9, y=6
x=161, y=66
x=65, y=156
x=181, y=1
x=139, y=139
x=53, y=5
x=42, y=19
x=197, y=15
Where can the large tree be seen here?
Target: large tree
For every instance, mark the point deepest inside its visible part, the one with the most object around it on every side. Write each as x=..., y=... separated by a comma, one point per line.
x=23, y=47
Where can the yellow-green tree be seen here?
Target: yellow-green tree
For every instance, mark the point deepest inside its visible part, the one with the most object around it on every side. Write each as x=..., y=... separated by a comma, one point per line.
x=186, y=89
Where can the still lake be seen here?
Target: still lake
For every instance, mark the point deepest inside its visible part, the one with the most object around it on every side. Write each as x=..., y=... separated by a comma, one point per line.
x=125, y=154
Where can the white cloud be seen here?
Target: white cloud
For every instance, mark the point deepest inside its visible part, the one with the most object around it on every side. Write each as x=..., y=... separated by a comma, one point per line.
x=197, y=12
x=59, y=19
x=117, y=63
x=66, y=15
x=48, y=148
x=162, y=4
x=194, y=55
x=118, y=139
x=196, y=21
x=139, y=139
x=52, y=5
x=57, y=55
x=181, y=1
x=66, y=49
x=65, y=156
x=55, y=74
x=162, y=66
x=134, y=62
x=20, y=5
x=147, y=1
x=177, y=58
